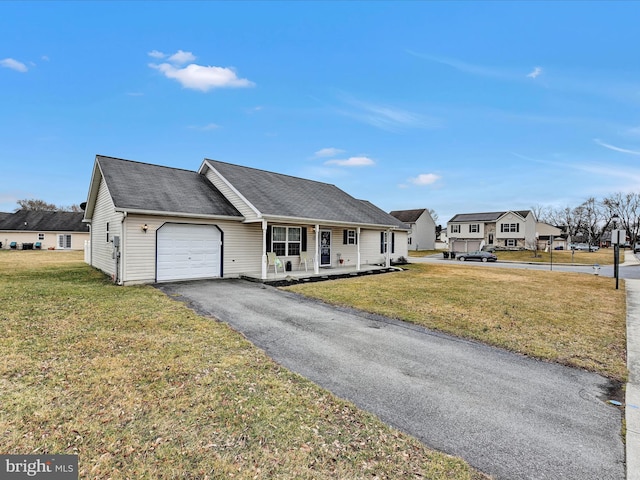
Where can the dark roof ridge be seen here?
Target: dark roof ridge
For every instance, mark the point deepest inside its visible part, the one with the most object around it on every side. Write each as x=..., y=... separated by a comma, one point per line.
x=145, y=163
x=271, y=172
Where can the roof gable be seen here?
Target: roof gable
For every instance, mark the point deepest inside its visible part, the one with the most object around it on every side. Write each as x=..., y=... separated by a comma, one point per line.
x=44, y=221
x=147, y=187
x=278, y=195
x=408, y=216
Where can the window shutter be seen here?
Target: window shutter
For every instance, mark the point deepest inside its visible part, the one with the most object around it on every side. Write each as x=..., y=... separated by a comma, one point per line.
x=345, y=237
x=381, y=242
x=356, y=237
x=393, y=242
x=517, y=227
x=303, y=246
x=268, y=239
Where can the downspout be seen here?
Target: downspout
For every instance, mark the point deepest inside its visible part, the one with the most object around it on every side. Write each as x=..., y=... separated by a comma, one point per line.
x=316, y=259
x=358, y=249
x=263, y=273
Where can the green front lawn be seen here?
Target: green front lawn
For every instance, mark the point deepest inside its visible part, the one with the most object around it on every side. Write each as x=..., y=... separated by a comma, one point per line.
x=140, y=387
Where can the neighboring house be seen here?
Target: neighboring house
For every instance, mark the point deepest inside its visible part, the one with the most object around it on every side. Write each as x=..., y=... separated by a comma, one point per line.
x=59, y=230
x=546, y=233
x=502, y=230
x=422, y=235
x=151, y=223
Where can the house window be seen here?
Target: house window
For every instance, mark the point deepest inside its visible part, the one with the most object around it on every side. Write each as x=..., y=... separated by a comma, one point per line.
x=285, y=241
x=474, y=228
x=351, y=237
x=511, y=242
x=41, y=236
x=107, y=232
x=455, y=228
x=509, y=227
x=384, y=242
x=64, y=241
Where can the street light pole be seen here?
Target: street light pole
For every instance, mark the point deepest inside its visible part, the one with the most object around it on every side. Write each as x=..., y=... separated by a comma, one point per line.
x=616, y=250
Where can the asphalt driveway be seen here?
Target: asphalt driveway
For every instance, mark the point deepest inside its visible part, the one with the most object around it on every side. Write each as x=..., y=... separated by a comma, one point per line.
x=507, y=415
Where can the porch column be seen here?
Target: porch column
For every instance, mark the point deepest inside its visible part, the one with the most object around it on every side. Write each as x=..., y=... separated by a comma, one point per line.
x=316, y=257
x=263, y=273
x=358, y=249
x=387, y=259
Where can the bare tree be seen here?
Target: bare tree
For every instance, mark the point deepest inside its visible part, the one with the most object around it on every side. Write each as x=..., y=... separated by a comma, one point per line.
x=434, y=215
x=627, y=207
x=542, y=213
x=42, y=206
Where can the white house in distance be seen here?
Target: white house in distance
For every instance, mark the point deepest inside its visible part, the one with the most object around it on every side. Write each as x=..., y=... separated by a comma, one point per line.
x=151, y=223
x=545, y=232
x=422, y=235
x=38, y=229
x=508, y=230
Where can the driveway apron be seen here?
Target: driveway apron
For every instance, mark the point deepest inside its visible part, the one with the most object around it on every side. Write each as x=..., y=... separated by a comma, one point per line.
x=507, y=415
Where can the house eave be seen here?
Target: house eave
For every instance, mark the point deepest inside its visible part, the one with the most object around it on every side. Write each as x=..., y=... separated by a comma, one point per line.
x=156, y=213
x=336, y=223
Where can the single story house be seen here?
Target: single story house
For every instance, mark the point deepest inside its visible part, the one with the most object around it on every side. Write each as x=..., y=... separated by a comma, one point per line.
x=422, y=235
x=510, y=230
x=151, y=223
x=43, y=229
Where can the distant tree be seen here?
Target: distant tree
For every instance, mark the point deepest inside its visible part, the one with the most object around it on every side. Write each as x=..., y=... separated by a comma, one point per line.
x=434, y=215
x=42, y=206
x=627, y=207
x=541, y=213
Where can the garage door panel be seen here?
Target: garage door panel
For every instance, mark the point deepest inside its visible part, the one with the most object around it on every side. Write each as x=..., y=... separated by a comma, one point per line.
x=186, y=252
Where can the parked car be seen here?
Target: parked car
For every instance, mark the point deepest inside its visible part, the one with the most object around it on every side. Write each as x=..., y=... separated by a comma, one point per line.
x=482, y=256
x=636, y=248
x=584, y=247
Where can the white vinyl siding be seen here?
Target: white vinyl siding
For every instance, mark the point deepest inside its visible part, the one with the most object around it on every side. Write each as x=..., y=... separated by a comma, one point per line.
x=231, y=195
x=104, y=212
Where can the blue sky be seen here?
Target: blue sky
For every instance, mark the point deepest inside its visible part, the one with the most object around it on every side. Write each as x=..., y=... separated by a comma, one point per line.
x=455, y=106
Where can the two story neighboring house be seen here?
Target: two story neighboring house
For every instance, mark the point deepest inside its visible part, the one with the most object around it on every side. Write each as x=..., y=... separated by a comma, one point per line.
x=512, y=230
x=550, y=236
x=422, y=235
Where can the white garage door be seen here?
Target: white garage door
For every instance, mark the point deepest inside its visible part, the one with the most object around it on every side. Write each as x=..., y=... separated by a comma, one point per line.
x=186, y=252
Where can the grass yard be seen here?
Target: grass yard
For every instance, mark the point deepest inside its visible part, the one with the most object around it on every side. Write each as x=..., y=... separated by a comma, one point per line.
x=140, y=387
x=573, y=319
x=604, y=256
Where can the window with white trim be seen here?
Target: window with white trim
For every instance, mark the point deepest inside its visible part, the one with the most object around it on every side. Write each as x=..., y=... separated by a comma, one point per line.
x=64, y=241
x=455, y=228
x=41, y=236
x=474, y=228
x=509, y=227
x=351, y=237
x=285, y=241
x=511, y=242
x=107, y=232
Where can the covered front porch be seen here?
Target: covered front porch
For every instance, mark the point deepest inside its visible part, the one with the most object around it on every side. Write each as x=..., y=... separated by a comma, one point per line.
x=325, y=273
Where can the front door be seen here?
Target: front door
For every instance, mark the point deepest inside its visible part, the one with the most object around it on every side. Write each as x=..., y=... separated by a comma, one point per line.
x=325, y=248
x=491, y=239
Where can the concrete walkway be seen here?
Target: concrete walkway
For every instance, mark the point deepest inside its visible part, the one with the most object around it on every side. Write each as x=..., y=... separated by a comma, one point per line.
x=632, y=401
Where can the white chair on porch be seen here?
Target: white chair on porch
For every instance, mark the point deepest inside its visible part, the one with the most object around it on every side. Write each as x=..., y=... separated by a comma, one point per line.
x=305, y=259
x=272, y=259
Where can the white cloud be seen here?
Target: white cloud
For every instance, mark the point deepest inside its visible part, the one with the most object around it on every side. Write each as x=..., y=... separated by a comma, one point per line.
x=44, y=58
x=616, y=149
x=425, y=179
x=13, y=64
x=536, y=72
x=198, y=77
x=388, y=117
x=352, y=162
x=156, y=54
x=180, y=57
x=328, y=152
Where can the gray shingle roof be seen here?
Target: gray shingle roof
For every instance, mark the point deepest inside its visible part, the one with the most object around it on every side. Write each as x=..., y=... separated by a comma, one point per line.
x=484, y=217
x=275, y=194
x=408, y=216
x=142, y=186
x=42, y=221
